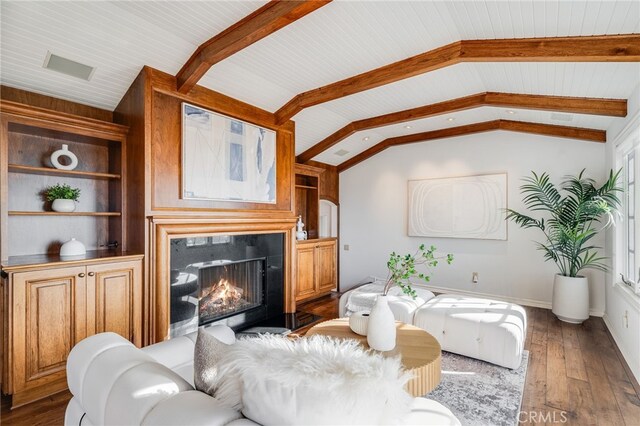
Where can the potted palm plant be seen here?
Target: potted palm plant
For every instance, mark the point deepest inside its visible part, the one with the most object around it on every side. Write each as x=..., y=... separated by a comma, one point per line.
x=576, y=213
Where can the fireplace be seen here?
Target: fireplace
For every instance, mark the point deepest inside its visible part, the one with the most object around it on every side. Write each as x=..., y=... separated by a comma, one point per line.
x=228, y=288
x=237, y=280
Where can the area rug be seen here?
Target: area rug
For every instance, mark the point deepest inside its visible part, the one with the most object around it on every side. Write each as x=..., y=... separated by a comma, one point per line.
x=479, y=393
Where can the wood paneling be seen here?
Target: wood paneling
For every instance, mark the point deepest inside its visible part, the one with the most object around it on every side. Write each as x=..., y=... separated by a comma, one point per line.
x=256, y=26
x=305, y=272
x=327, y=271
x=611, y=48
x=591, y=135
x=607, y=107
x=55, y=104
x=329, y=182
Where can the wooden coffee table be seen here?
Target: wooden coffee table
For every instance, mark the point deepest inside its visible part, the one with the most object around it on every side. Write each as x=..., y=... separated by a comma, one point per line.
x=419, y=351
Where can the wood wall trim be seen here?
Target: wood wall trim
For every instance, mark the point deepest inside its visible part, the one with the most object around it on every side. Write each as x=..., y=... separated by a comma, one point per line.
x=261, y=23
x=83, y=125
x=595, y=106
x=592, y=135
x=43, y=101
x=608, y=48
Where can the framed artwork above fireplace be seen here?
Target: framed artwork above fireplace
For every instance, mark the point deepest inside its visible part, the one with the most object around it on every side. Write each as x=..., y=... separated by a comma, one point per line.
x=226, y=159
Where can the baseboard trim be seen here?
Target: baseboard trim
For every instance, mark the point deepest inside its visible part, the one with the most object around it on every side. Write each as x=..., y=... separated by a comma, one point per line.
x=633, y=367
x=520, y=301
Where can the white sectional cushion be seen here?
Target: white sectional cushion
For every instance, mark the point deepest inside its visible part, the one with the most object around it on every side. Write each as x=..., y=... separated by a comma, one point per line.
x=316, y=380
x=193, y=408
x=489, y=330
x=138, y=390
x=83, y=354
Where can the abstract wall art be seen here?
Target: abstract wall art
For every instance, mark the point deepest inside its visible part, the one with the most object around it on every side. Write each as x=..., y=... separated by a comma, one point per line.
x=226, y=159
x=460, y=207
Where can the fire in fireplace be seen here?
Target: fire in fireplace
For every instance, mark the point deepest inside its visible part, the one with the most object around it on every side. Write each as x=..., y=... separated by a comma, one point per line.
x=222, y=298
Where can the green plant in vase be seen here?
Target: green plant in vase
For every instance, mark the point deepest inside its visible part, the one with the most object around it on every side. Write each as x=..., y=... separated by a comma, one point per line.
x=63, y=197
x=575, y=213
x=404, y=267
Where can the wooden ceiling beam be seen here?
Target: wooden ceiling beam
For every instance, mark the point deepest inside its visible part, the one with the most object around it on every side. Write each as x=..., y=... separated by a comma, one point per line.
x=605, y=107
x=608, y=48
x=592, y=135
x=265, y=21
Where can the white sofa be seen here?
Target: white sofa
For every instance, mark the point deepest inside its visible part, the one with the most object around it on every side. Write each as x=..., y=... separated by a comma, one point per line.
x=485, y=329
x=115, y=383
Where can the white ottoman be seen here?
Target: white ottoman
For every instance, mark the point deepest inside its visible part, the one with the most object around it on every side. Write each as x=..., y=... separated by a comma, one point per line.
x=484, y=329
x=402, y=306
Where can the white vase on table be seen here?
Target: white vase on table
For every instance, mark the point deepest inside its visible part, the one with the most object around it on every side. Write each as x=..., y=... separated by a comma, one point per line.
x=381, y=328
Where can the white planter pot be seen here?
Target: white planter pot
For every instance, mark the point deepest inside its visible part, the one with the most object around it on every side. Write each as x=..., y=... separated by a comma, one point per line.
x=571, y=299
x=381, y=328
x=358, y=322
x=63, y=206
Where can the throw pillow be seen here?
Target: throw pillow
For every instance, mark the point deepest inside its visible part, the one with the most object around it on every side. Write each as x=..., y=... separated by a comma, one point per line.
x=208, y=353
x=315, y=380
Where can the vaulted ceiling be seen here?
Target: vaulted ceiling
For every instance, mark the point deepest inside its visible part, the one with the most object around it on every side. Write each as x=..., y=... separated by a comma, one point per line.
x=338, y=40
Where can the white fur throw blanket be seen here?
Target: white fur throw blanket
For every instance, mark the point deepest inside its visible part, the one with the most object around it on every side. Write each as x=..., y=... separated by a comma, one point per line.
x=317, y=380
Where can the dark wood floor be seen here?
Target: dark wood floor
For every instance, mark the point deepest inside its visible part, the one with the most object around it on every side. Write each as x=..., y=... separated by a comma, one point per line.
x=576, y=376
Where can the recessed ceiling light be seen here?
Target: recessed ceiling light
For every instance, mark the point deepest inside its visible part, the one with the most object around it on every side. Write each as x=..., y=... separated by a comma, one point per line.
x=68, y=67
x=407, y=127
x=366, y=138
x=510, y=111
x=450, y=119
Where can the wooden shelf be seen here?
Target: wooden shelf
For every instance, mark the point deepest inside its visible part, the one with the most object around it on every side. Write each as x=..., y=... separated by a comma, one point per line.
x=306, y=186
x=27, y=213
x=18, y=168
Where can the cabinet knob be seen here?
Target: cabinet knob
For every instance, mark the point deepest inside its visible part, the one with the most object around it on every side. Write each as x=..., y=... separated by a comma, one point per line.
x=81, y=274
x=91, y=274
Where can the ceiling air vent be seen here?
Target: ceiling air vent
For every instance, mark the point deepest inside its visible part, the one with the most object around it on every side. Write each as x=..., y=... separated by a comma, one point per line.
x=67, y=66
x=558, y=116
x=341, y=153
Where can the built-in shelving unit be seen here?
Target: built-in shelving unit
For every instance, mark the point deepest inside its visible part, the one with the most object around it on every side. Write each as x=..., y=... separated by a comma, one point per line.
x=308, y=197
x=29, y=136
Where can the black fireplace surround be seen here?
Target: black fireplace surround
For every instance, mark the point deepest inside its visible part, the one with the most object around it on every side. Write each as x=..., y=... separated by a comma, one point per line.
x=237, y=280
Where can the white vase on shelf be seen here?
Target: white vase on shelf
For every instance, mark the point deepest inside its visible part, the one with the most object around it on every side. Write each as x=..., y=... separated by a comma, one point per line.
x=381, y=328
x=63, y=206
x=64, y=152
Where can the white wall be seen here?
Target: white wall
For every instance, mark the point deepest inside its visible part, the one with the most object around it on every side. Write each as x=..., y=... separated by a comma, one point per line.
x=622, y=313
x=373, y=212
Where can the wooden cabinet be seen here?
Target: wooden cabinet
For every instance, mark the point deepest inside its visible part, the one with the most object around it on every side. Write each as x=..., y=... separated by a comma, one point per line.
x=316, y=271
x=49, y=308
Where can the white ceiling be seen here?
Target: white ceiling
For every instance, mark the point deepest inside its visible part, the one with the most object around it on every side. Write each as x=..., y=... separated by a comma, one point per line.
x=339, y=40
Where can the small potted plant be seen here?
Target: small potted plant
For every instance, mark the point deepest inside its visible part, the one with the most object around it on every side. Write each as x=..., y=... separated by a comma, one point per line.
x=63, y=197
x=381, y=328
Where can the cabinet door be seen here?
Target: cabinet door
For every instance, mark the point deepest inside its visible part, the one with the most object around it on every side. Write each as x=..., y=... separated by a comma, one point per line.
x=115, y=293
x=305, y=272
x=326, y=266
x=49, y=317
